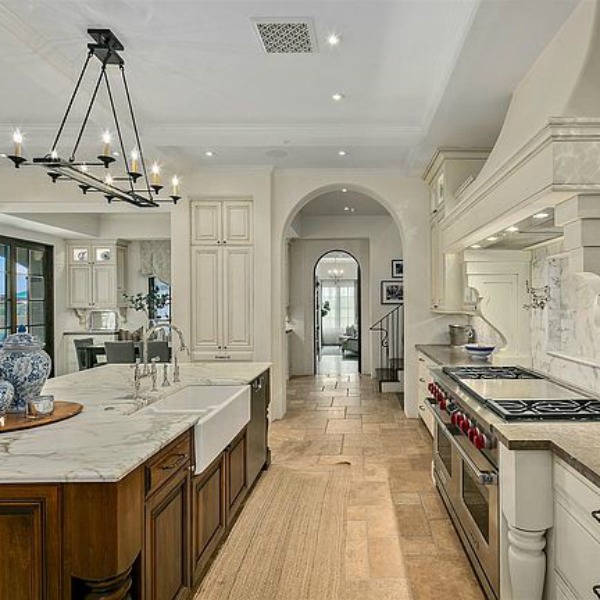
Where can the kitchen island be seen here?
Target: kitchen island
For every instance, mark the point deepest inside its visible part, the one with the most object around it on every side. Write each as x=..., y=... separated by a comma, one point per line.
x=108, y=504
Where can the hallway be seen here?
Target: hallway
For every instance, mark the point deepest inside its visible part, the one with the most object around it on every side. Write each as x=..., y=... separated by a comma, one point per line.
x=399, y=542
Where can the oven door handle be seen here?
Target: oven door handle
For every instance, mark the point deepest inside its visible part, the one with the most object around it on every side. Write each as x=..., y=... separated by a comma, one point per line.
x=483, y=477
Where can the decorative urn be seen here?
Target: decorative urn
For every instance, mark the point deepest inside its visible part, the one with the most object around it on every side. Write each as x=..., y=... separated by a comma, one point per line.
x=24, y=363
x=7, y=393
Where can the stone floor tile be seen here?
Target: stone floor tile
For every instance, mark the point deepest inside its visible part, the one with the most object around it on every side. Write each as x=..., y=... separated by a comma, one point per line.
x=385, y=558
x=344, y=426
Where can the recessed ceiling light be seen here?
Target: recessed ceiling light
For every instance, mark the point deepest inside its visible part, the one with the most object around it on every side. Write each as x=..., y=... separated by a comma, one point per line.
x=492, y=238
x=541, y=215
x=344, y=190
x=352, y=210
x=209, y=153
x=346, y=208
x=512, y=229
x=475, y=246
x=337, y=96
x=333, y=39
x=342, y=153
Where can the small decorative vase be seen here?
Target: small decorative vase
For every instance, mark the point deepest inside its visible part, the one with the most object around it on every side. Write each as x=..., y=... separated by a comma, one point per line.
x=7, y=393
x=26, y=366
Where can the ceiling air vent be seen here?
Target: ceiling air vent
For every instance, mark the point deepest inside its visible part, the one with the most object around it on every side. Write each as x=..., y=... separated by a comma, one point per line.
x=286, y=36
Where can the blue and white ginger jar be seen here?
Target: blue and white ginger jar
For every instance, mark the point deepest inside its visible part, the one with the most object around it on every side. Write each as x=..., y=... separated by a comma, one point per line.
x=24, y=363
x=7, y=393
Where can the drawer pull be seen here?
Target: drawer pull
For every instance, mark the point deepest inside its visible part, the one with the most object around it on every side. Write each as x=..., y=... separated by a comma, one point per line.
x=421, y=408
x=596, y=515
x=421, y=360
x=422, y=380
x=175, y=464
x=596, y=590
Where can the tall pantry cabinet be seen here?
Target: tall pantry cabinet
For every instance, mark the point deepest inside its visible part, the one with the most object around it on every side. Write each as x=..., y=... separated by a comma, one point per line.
x=222, y=280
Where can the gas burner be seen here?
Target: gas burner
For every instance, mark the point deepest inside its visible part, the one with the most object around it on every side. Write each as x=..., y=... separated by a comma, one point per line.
x=571, y=409
x=488, y=372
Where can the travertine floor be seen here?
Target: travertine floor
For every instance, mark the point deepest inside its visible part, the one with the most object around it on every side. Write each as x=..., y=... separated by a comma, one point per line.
x=399, y=544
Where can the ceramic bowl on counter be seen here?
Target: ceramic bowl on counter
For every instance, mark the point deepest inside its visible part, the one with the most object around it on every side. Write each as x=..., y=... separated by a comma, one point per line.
x=40, y=406
x=479, y=351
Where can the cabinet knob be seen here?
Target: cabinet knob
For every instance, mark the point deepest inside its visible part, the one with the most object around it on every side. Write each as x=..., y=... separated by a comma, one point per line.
x=422, y=380
x=421, y=408
x=596, y=515
x=224, y=241
x=596, y=590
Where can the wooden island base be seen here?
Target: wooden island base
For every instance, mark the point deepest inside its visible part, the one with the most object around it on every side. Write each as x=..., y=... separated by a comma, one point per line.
x=150, y=536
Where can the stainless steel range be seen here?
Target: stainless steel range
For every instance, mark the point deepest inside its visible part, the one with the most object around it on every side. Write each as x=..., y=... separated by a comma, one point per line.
x=466, y=449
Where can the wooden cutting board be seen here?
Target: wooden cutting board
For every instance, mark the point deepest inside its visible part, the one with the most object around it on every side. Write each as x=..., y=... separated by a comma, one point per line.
x=62, y=411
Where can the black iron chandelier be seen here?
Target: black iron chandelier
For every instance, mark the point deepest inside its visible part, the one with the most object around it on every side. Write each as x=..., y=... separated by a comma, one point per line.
x=125, y=186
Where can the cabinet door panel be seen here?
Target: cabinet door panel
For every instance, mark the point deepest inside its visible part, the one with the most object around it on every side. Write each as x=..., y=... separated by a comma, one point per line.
x=256, y=430
x=237, y=222
x=209, y=513
x=236, y=474
x=167, y=551
x=80, y=286
x=104, y=286
x=207, y=298
x=238, y=298
x=206, y=222
x=30, y=564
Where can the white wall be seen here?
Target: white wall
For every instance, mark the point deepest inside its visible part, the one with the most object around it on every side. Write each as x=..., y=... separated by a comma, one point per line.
x=304, y=255
x=407, y=200
x=374, y=241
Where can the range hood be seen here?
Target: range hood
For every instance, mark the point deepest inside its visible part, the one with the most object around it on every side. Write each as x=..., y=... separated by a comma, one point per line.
x=549, y=146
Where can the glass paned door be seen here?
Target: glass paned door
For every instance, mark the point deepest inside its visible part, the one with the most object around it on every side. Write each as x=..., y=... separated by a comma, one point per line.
x=26, y=290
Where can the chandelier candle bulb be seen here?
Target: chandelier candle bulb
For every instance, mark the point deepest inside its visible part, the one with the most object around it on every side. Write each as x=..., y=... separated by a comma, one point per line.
x=106, y=139
x=108, y=179
x=134, y=161
x=175, y=185
x=18, y=142
x=155, y=174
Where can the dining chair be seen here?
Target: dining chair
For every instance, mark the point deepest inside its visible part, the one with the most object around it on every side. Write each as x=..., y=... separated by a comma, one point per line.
x=158, y=348
x=82, y=357
x=119, y=352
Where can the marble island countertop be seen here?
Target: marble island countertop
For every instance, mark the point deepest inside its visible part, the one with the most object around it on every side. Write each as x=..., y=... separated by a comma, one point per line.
x=576, y=442
x=110, y=438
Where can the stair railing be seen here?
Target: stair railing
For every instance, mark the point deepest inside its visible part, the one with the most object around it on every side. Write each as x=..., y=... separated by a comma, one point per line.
x=390, y=342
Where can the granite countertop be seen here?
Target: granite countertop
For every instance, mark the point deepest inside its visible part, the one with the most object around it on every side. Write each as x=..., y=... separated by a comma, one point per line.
x=109, y=439
x=453, y=356
x=577, y=443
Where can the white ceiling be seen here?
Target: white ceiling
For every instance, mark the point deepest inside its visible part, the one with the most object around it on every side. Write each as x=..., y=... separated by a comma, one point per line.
x=333, y=204
x=415, y=74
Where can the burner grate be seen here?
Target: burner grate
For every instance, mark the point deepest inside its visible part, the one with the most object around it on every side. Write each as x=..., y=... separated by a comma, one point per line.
x=572, y=409
x=488, y=372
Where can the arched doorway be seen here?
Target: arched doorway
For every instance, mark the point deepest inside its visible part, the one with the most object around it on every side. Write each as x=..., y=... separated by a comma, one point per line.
x=337, y=314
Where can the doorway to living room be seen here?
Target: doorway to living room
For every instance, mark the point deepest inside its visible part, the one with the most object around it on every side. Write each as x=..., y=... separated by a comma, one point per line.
x=337, y=314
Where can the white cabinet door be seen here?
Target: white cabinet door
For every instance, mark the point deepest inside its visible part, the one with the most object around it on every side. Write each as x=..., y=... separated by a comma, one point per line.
x=237, y=222
x=206, y=223
x=207, y=301
x=80, y=286
x=104, y=285
x=237, y=298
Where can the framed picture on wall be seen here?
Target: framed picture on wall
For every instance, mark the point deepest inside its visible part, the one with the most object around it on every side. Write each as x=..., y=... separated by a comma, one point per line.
x=392, y=292
x=398, y=268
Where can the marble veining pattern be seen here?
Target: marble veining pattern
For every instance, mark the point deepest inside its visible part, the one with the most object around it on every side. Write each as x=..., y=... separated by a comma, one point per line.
x=109, y=438
x=570, y=324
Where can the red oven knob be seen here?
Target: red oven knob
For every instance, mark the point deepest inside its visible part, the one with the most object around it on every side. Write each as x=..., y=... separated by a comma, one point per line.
x=454, y=417
x=480, y=441
x=459, y=419
x=430, y=387
x=443, y=403
x=473, y=434
x=465, y=425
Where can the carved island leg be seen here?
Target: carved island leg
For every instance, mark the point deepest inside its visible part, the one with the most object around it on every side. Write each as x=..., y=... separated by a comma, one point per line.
x=526, y=563
x=114, y=588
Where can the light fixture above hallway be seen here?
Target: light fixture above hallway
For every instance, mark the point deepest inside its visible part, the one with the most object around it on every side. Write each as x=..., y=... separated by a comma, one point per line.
x=122, y=186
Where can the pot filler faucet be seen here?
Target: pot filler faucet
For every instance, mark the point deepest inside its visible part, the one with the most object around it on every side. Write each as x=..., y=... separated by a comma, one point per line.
x=150, y=367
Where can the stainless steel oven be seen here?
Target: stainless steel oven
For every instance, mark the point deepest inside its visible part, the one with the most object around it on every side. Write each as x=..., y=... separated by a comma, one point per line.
x=468, y=483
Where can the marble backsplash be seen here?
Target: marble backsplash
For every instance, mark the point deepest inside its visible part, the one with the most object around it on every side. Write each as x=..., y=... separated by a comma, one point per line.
x=566, y=333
